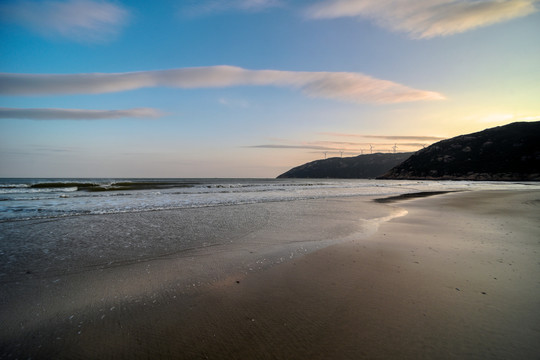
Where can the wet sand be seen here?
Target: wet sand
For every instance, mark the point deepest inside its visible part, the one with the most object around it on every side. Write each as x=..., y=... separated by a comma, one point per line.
x=458, y=277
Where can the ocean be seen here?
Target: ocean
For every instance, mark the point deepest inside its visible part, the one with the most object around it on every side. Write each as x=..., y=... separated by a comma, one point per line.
x=25, y=199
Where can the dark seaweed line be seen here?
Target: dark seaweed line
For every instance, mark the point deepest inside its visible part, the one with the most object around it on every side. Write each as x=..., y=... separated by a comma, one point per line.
x=412, y=196
x=114, y=186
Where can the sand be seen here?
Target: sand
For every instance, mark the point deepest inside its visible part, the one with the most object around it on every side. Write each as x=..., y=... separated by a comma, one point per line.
x=457, y=277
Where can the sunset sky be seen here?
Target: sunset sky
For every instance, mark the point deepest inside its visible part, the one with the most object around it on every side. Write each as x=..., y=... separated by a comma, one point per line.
x=251, y=88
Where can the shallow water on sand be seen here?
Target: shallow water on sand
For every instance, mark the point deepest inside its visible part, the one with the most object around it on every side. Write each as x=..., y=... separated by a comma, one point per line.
x=51, y=269
x=47, y=248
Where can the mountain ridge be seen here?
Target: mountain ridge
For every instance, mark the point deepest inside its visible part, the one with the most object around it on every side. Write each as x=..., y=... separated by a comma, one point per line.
x=503, y=153
x=367, y=166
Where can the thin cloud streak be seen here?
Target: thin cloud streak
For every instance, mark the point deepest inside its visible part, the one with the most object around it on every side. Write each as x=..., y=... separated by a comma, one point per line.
x=352, y=87
x=76, y=114
x=78, y=20
x=426, y=18
x=387, y=137
x=426, y=138
x=218, y=6
x=356, y=148
x=278, y=146
x=46, y=148
x=345, y=144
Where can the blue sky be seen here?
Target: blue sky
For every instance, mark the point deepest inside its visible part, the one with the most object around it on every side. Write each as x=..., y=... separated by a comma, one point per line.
x=250, y=88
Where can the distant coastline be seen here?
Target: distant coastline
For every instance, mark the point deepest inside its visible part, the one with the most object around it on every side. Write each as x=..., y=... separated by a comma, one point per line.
x=504, y=153
x=368, y=166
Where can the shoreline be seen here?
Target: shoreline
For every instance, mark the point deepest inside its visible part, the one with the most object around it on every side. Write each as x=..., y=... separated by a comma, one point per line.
x=426, y=285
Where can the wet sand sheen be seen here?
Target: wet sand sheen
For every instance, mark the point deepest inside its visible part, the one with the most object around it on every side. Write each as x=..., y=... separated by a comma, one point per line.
x=455, y=278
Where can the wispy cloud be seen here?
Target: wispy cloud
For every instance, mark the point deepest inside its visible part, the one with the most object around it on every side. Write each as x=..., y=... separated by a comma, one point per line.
x=281, y=146
x=501, y=118
x=353, y=87
x=216, y=6
x=234, y=103
x=340, y=147
x=497, y=118
x=39, y=150
x=347, y=144
x=426, y=18
x=76, y=114
x=387, y=137
x=530, y=118
x=92, y=21
x=51, y=149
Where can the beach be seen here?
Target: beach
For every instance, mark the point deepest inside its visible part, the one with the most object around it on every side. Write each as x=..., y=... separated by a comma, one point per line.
x=449, y=276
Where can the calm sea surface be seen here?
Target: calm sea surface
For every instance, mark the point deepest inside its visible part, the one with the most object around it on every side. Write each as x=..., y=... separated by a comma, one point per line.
x=22, y=199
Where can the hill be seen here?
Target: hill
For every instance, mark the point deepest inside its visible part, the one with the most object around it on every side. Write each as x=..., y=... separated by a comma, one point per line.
x=358, y=167
x=510, y=152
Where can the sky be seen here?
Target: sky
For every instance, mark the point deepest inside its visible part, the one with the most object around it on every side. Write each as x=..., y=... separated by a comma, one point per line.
x=251, y=88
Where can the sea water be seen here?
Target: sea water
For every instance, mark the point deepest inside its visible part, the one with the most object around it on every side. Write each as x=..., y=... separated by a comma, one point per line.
x=25, y=199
